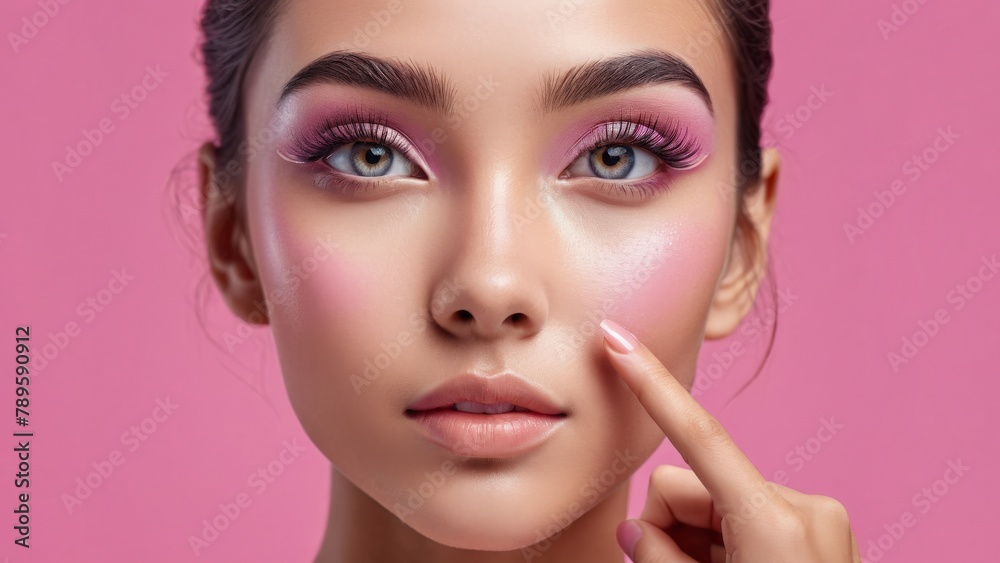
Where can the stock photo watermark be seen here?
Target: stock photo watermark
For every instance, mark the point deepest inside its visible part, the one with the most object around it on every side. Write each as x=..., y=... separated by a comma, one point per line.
x=752, y=329
x=391, y=350
x=913, y=169
x=922, y=501
x=380, y=19
x=900, y=16
x=591, y=491
x=258, y=482
x=293, y=276
x=34, y=23
x=958, y=298
x=433, y=482
x=122, y=107
x=584, y=331
x=801, y=454
x=787, y=125
x=103, y=469
x=88, y=310
x=562, y=13
x=761, y=501
x=463, y=109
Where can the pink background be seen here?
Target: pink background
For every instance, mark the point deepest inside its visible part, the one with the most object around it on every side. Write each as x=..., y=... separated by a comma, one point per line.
x=852, y=302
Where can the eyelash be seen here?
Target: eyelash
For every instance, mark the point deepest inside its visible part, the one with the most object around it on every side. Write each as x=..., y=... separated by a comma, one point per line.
x=670, y=144
x=333, y=133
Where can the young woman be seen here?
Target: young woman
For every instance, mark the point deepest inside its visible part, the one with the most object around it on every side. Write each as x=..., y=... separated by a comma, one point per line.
x=455, y=216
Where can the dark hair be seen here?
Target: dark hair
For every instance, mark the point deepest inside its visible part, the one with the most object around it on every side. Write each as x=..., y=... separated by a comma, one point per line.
x=234, y=31
x=748, y=25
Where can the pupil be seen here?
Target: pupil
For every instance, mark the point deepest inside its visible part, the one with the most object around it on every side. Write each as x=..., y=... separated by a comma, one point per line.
x=374, y=154
x=371, y=159
x=613, y=162
x=612, y=155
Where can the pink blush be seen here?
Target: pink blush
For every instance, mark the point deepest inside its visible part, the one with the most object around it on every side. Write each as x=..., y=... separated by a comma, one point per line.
x=306, y=265
x=671, y=279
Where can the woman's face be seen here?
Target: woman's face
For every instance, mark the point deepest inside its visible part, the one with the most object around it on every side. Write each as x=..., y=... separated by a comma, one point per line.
x=504, y=192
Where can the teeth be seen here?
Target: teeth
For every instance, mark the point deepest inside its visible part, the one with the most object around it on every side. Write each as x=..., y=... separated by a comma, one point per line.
x=493, y=408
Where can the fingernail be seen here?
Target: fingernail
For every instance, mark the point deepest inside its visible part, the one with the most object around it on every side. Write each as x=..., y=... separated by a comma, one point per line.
x=628, y=535
x=621, y=340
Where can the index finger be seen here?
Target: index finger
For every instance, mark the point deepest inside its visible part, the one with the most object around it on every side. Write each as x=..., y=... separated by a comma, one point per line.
x=698, y=436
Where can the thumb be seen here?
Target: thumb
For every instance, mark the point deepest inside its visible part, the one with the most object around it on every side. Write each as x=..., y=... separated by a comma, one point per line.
x=645, y=543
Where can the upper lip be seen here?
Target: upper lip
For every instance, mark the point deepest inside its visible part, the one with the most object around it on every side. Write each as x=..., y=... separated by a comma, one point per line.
x=502, y=388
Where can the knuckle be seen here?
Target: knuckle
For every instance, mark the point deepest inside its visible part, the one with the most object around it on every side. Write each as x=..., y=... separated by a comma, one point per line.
x=662, y=475
x=657, y=373
x=707, y=430
x=790, y=524
x=829, y=510
x=657, y=381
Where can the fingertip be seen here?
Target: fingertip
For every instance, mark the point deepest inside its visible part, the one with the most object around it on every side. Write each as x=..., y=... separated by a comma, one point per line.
x=620, y=339
x=628, y=535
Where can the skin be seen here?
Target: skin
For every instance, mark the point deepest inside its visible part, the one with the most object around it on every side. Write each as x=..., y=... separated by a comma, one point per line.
x=451, y=272
x=721, y=509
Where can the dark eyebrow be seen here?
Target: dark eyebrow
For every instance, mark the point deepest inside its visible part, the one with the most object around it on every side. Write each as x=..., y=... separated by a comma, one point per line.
x=428, y=88
x=404, y=80
x=607, y=76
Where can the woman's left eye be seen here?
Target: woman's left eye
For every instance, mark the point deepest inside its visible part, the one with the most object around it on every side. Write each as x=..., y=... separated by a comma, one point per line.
x=615, y=162
x=363, y=158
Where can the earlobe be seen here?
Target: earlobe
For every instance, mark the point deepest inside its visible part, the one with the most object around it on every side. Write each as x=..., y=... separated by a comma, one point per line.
x=746, y=266
x=230, y=255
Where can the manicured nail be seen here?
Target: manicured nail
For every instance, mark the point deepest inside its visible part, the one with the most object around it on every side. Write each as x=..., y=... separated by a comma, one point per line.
x=621, y=340
x=628, y=535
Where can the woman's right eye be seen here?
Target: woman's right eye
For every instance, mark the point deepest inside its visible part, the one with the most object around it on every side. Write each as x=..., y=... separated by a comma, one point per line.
x=367, y=159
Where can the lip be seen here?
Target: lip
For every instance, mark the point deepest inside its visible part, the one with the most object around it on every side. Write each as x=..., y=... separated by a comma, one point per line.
x=487, y=435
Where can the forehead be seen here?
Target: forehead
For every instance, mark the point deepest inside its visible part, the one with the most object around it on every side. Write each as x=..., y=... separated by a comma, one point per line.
x=517, y=43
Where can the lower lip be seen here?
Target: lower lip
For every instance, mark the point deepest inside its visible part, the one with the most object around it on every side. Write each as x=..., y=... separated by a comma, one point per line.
x=486, y=435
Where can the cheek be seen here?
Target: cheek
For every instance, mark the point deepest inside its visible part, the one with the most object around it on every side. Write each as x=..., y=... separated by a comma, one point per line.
x=321, y=294
x=672, y=279
x=308, y=255
x=661, y=289
x=666, y=289
x=308, y=278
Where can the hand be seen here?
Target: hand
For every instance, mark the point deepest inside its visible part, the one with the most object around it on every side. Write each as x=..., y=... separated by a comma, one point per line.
x=721, y=510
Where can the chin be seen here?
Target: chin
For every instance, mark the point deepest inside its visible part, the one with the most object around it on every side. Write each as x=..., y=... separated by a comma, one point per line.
x=497, y=510
x=474, y=526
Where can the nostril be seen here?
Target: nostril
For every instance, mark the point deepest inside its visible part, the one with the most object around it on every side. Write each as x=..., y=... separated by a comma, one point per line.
x=464, y=315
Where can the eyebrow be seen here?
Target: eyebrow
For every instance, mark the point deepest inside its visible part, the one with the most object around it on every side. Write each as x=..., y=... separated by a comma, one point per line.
x=404, y=80
x=594, y=79
x=426, y=87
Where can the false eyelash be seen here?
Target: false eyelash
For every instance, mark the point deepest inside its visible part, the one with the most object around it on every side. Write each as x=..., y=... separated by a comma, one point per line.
x=671, y=143
x=350, y=128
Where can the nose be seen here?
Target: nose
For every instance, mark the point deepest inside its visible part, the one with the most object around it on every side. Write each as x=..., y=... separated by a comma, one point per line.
x=493, y=284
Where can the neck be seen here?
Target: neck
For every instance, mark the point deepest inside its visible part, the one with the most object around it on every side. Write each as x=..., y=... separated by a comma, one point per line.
x=360, y=529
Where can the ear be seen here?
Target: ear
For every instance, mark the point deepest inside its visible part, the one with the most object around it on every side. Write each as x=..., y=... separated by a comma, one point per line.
x=741, y=277
x=230, y=255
